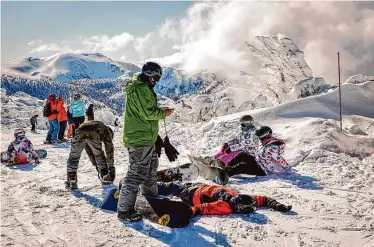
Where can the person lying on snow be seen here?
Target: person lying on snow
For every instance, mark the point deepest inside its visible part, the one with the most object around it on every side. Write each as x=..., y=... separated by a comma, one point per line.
x=21, y=151
x=271, y=154
x=238, y=156
x=218, y=200
x=89, y=136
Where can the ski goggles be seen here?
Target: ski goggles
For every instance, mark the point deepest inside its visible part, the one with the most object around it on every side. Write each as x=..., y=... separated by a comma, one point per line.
x=247, y=124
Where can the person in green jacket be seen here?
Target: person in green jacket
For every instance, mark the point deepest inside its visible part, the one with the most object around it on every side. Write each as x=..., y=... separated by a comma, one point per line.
x=140, y=137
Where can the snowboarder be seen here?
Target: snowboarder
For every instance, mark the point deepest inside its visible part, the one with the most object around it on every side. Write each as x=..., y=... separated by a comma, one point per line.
x=218, y=200
x=77, y=111
x=90, y=136
x=238, y=156
x=271, y=154
x=33, y=122
x=62, y=118
x=140, y=136
x=54, y=128
x=21, y=150
x=90, y=112
x=116, y=125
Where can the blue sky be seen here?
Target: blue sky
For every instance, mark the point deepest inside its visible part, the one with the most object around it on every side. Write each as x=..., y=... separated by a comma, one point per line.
x=22, y=22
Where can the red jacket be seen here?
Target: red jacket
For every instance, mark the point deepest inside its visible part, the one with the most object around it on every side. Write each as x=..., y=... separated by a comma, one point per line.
x=62, y=116
x=217, y=207
x=53, y=108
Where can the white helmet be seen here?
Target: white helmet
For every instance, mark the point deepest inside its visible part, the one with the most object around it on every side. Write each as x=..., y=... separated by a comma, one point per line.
x=19, y=132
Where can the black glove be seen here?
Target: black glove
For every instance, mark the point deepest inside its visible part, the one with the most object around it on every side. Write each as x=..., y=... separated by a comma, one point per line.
x=159, y=144
x=110, y=176
x=170, y=151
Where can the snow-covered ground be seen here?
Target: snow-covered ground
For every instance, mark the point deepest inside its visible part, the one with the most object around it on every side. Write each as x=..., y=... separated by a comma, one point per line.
x=332, y=190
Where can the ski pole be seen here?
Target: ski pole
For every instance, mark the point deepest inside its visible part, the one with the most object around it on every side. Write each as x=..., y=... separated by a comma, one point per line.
x=166, y=133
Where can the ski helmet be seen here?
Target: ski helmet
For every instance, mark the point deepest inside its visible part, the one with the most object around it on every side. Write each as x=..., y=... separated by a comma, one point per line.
x=19, y=132
x=246, y=120
x=264, y=132
x=152, y=69
x=77, y=96
x=243, y=204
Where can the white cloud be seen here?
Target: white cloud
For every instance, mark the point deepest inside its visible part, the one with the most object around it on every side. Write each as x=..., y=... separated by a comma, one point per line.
x=211, y=36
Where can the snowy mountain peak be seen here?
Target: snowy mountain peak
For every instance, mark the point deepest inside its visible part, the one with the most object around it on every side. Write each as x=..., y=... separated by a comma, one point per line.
x=64, y=67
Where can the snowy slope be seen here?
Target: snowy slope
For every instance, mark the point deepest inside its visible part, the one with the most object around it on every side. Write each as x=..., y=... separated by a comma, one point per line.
x=64, y=67
x=331, y=191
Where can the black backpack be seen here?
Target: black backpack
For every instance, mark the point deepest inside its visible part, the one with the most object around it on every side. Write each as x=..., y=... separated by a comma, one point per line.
x=47, y=110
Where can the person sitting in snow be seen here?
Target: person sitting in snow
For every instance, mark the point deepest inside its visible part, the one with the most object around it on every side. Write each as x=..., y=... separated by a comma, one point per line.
x=21, y=151
x=218, y=200
x=238, y=156
x=270, y=156
x=89, y=136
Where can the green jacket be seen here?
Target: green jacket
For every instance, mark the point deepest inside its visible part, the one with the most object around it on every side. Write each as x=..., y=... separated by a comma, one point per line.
x=141, y=115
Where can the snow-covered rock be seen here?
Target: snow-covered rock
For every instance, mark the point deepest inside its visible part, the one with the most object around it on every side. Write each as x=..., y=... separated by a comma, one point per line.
x=357, y=79
x=308, y=87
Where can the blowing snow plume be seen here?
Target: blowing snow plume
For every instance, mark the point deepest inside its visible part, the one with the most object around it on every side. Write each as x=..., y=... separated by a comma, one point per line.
x=212, y=36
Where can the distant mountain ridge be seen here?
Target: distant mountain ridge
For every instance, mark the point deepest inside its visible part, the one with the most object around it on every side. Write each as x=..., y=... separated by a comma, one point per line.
x=281, y=74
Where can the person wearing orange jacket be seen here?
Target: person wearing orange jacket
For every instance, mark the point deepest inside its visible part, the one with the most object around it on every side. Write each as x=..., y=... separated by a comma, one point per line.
x=218, y=200
x=52, y=135
x=70, y=123
x=62, y=118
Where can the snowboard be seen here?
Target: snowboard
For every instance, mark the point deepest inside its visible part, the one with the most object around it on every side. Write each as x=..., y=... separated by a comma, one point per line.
x=185, y=172
x=42, y=153
x=209, y=169
x=173, y=214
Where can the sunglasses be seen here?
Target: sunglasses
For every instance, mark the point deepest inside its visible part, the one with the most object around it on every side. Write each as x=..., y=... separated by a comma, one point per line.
x=246, y=124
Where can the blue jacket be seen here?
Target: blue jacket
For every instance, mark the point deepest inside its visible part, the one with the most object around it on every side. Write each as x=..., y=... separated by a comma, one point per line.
x=77, y=108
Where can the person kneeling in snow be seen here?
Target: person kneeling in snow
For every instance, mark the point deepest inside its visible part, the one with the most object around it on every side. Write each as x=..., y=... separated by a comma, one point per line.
x=238, y=156
x=271, y=155
x=21, y=150
x=218, y=200
x=89, y=136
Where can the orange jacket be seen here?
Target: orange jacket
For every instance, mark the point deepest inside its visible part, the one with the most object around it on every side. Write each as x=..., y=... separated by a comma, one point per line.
x=217, y=207
x=53, y=108
x=62, y=116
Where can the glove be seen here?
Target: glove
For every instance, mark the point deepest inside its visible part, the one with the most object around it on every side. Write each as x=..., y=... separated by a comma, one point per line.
x=111, y=175
x=159, y=144
x=170, y=151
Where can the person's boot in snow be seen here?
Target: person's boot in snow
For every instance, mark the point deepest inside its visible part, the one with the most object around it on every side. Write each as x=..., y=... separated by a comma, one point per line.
x=72, y=180
x=273, y=204
x=129, y=217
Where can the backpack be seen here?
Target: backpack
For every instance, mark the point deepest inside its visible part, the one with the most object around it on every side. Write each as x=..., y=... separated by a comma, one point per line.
x=47, y=110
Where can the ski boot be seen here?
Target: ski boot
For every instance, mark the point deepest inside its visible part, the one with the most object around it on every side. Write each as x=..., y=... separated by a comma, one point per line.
x=273, y=204
x=129, y=217
x=72, y=182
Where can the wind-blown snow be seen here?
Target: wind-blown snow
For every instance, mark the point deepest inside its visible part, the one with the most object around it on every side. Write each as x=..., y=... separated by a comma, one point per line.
x=331, y=190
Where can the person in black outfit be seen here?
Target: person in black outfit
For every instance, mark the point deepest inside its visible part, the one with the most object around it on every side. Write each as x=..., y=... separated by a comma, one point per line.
x=33, y=122
x=90, y=112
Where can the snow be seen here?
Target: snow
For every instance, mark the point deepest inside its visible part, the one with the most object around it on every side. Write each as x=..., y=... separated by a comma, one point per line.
x=331, y=189
x=65, y=67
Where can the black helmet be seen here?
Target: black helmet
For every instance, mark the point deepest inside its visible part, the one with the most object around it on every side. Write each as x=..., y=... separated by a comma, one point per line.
x=152, y=69
x=264, y=132
x=243, y=204
x=77, y=96
x=246, y=120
